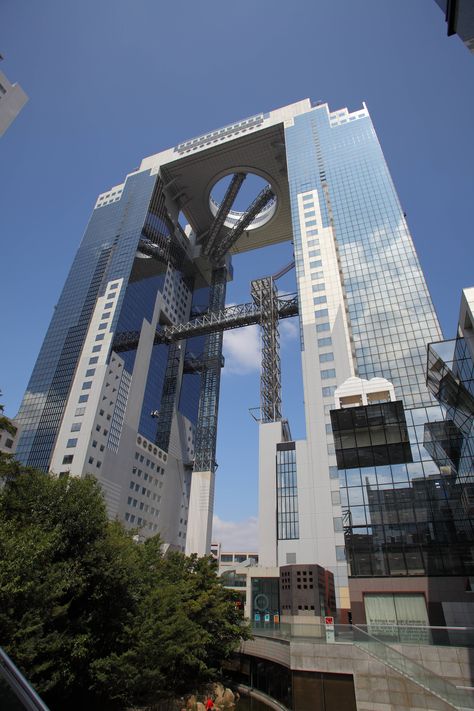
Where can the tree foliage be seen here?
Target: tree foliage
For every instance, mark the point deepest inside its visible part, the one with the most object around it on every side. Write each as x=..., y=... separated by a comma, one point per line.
x=94, y=619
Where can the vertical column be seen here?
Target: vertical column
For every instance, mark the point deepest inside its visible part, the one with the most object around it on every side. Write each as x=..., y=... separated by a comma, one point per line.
x=168, y=398
x=201, y=502
x=265, y=295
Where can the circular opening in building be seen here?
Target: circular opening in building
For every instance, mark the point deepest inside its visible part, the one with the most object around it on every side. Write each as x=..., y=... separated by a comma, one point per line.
x=251, y=187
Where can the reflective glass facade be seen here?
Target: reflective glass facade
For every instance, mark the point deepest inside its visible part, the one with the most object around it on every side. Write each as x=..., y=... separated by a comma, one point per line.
x=451, y=380
x=404, y=510
x=190, y=387
x=287, y=492
x=408, y=518
x=390, y=310
x=107, y=252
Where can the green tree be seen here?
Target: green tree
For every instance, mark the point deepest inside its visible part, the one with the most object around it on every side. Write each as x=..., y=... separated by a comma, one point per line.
x=186, y=624
x=94, y=619
x=5, y=423
x=66, y=581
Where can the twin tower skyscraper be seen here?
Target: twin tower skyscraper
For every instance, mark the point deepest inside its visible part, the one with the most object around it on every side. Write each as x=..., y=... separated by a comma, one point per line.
x=126, y=385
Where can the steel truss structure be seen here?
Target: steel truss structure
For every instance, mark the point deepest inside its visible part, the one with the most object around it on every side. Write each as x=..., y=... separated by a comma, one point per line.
x=206, y=430
x=222, y=213
x=265, y=309
x=265, y=295
x=225, y=319
x=220, y=249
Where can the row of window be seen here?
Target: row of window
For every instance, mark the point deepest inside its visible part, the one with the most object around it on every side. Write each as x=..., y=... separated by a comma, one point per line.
x=131, y=518
x=142, y=506
x=76, y=426
x=148, y=463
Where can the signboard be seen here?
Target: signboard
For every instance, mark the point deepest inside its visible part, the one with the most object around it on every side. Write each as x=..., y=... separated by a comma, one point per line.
x=257, y=617
x=330, y=635
x=267, y=617
x=276, y=619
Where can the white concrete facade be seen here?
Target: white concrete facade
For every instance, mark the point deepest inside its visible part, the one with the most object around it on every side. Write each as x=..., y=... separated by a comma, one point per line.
x=12, y=100
x=318, y=502
x=144, y=487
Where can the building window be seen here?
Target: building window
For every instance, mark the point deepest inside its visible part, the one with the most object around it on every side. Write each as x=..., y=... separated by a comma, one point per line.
x=287, y=493
x=71, y=443
x=90, y=372
x=329, y=391
x=335, y=498
x=316, y=264
x=102, y=326
x=96, y=349
x=83, y=398
x=322, y=342
x=87, y=386
x=79, y=411
x=94, y=360
x=337, y=522
x=333, y=473
x=68, y=459
x=340, y=553
x=76, y=426
x=100, y=337
x=321, y=300
x=319, y=287
x=326, y=374
x=320, y=327
x=326, y=357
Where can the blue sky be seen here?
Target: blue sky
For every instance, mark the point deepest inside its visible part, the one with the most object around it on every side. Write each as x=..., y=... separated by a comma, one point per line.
x=113, y=81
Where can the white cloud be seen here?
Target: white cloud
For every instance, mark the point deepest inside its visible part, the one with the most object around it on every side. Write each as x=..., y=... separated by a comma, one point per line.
x=288, y=329
x=242, y=350
x=236, y=535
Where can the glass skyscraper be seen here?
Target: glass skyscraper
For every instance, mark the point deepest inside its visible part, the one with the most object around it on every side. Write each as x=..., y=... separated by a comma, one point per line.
x=127, y=382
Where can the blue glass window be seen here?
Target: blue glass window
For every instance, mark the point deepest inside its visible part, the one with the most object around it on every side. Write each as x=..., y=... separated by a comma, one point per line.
x=320, y=327
x=326, y=374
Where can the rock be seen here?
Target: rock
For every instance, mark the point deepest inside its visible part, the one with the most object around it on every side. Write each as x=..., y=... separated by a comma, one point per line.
x=225, y=701
x=218, y=689
x=229, y=696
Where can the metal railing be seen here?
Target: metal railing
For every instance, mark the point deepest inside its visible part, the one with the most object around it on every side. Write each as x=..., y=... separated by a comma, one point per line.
x=393, y=658
x=378, y=641
x=15, y=691
x=389, y=634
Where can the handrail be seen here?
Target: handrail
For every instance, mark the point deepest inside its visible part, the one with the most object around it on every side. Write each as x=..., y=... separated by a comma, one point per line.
x=19, y=685
x=428, y=680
